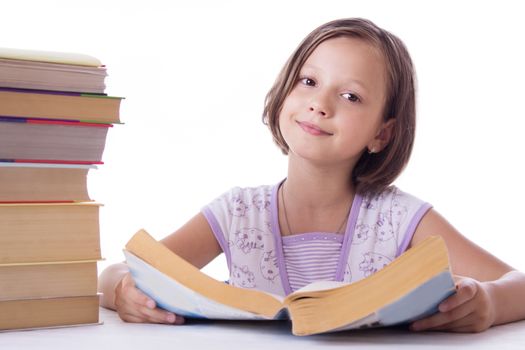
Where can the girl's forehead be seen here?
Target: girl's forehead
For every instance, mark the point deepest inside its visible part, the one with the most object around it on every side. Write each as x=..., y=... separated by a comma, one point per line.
x=350, y=59
x=344, y=49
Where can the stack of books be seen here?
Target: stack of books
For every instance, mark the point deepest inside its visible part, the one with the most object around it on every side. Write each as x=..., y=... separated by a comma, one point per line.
x=54, y=119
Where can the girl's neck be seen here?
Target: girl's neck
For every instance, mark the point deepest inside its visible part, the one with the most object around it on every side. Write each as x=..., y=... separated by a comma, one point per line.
x=314, y=199
x=318, y=187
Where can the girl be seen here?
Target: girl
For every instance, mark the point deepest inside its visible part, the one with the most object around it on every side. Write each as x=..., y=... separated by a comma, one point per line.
x=343, y=110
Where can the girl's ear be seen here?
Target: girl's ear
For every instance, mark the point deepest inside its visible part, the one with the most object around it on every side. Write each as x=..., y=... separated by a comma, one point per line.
x=383, y=137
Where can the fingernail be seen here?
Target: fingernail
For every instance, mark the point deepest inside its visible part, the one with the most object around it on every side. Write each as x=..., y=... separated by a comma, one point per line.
x=150, y=304
x=170, y=318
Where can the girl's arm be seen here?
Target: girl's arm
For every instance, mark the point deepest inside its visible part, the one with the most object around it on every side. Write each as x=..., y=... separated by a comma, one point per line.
x=489, y=292
x=194, y=242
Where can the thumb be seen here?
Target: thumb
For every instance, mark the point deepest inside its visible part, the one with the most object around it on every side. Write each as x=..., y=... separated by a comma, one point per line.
x=136, y=295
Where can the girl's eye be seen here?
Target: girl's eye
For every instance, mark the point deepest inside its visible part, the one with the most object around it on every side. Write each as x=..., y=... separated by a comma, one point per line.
x=307, y=81
x=351, y=97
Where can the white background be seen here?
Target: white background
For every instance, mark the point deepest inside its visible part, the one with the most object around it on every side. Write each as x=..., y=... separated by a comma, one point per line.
x=195, y=73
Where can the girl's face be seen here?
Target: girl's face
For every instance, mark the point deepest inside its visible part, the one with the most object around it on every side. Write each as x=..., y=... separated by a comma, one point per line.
x=334, y=112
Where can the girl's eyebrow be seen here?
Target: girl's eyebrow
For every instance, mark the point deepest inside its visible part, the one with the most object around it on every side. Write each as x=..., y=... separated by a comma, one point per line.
x=349, y=80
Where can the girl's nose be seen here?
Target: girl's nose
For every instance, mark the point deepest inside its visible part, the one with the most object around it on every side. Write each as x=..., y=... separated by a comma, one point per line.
x=320, y=111
x=320, y=106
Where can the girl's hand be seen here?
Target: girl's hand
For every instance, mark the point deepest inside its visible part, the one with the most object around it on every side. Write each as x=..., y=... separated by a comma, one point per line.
x=134, y=306
x=471, y=310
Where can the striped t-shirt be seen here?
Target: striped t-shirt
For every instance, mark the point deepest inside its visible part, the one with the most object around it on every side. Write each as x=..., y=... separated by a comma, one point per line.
x=311, y=257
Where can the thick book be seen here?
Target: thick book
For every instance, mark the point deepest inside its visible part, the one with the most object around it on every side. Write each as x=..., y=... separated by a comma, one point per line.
x=91, y=108
x=35, y=75
x=43, y=182
x=48, y=312
x=49, y=70
x=45, y=280
x=49, y=232
x=52, y=141
x=409, y=288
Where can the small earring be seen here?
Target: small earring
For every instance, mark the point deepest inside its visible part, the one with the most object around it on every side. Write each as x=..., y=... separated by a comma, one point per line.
x=372, y=151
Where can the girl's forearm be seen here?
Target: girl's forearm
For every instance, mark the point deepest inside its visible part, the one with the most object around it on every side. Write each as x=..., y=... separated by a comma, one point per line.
x=508, y=296
x=108, y=280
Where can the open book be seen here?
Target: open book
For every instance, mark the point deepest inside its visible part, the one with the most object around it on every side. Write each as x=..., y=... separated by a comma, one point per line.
x=410, y=287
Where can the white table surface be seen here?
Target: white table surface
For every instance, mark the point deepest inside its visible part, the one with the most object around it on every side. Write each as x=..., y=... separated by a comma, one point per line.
x=115, y=334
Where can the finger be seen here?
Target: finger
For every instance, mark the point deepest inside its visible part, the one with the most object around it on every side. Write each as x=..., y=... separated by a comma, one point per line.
x=160, y=316
x=470, y=324
x=465, y=290
x=442, y=318
x=127, y=290
x=127, y=281
x=131, y=299
x=131, y=318
x=135, y=305
x=468, y=329
x=134, y=294
x=454, y=326
x=137, y=313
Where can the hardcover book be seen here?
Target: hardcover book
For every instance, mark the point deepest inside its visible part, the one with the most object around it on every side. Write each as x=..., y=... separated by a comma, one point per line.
x=48, y=312
x=48, y=70
x=44, y=280
x=49, y=232
x=43, y=182
x=52, y=141
x=92, y=108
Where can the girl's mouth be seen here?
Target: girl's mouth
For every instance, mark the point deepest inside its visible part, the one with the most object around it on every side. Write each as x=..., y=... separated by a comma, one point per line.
x=313, y=129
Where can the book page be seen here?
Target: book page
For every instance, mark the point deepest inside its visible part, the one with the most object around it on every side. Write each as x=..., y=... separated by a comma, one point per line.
x=369, y=321
x=49, y=56
x=419, y=303
x=321, y=285
x=175, y=297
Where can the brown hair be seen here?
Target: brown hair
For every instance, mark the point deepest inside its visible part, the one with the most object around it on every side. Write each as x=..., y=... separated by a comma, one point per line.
x=373, y=172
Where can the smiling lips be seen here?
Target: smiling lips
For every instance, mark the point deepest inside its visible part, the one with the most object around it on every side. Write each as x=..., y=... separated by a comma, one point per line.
x=313, y=129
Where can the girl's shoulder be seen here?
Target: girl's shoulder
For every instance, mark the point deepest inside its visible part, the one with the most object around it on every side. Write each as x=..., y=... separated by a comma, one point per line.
x=248, y=193
x=390, y=197
x=238, y=200
x=389, y=216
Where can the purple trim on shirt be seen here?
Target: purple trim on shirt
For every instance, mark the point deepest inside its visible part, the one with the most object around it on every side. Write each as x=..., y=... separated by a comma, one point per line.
x=411, y=229
x=349, y=235
x=277, y=238
x=217, y=232
x=311, y=236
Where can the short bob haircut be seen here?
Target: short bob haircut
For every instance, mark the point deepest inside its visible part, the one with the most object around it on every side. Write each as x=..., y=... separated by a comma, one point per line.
x=373, y=172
